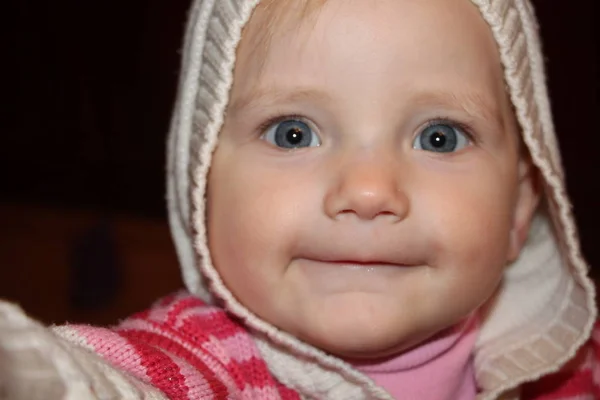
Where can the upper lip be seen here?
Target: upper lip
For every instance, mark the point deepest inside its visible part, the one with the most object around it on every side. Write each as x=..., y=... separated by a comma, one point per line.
x=363, y=262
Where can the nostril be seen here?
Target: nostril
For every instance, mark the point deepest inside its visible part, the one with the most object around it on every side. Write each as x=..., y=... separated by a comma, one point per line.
x=364, y=215
x=345, y=213
x=386, y=213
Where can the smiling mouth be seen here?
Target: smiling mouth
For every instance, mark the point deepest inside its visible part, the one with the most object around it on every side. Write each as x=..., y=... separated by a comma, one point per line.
x=352, y=276
x=364, y=264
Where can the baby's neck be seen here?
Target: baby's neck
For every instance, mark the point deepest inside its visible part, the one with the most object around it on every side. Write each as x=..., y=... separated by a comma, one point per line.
x=439, y=369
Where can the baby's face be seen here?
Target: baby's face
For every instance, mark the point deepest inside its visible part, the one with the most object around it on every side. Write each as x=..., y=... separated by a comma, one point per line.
x=366, y=192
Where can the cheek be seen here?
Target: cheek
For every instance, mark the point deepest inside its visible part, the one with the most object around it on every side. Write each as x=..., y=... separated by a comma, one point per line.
x=253, y=222
x=470, y=218
x=467, y=222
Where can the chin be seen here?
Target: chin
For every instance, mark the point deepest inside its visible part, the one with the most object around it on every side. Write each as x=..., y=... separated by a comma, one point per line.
x=357, y=338
x=366, y=346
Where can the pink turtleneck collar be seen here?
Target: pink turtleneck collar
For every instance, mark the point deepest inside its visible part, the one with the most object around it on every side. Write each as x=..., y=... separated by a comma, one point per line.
x=440, y=369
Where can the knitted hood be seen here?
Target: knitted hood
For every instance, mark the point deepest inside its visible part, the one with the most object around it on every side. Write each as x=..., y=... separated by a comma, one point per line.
x=545, y=308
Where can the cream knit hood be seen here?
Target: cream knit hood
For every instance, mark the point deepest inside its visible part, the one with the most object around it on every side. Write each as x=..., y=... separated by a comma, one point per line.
x=545, y=309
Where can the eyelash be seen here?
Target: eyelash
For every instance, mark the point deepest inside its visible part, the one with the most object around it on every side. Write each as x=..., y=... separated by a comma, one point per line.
x=467, y=129
x=274, y=120
x=463, y=127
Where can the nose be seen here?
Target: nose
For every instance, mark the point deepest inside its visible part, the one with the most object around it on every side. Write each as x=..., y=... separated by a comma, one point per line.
x=367, y=189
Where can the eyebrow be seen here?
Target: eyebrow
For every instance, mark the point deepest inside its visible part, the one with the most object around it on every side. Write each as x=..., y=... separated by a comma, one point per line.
x=473, y=103
x=267, y=97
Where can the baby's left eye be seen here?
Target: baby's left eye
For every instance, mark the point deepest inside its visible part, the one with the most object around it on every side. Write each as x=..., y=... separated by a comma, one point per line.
x=441, y=138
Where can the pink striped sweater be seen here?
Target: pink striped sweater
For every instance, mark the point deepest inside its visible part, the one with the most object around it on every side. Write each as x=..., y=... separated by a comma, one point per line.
x=190, y=350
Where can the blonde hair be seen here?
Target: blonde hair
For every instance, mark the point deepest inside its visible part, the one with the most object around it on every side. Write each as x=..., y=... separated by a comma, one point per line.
x=270, y=15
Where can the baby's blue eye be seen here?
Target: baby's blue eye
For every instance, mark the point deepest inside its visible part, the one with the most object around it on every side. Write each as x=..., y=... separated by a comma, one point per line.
x=291, y=134
x=441, y=138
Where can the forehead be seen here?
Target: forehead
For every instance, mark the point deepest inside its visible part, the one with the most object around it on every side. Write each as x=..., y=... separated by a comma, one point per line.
x=408, y=45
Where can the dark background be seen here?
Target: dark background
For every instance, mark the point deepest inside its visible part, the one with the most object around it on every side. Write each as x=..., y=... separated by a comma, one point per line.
x=87, y=96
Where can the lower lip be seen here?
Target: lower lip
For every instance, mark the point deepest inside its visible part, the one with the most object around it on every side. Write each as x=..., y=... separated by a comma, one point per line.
x=349, y=276
x=367, y=265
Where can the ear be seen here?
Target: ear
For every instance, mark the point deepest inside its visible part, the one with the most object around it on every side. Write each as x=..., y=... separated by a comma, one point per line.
x=528, y=198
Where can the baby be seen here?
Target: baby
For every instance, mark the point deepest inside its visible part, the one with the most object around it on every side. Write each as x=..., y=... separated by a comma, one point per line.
x=368, y=203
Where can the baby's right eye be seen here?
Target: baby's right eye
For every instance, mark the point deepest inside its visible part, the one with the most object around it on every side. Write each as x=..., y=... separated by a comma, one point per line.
x=291, y=134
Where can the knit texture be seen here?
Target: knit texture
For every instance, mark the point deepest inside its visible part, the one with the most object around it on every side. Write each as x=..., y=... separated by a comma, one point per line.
x=526, y=334
x=182, y=348
x=191, y=350
x=186, y=349
x=35, y=364
x=533, y=338
x=448, y=357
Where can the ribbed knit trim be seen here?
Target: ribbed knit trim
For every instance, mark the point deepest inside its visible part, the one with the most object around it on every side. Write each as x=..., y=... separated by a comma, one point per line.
x=40, y=366
x=568, y=324
x=213, y=33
